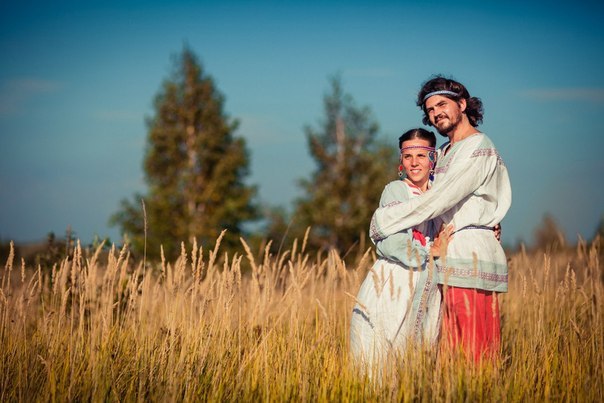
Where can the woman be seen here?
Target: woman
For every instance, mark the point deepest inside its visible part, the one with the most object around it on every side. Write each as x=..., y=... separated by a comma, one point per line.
x=399, y=301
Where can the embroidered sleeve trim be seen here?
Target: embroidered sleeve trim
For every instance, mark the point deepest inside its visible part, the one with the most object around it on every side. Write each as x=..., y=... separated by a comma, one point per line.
x=487, y=152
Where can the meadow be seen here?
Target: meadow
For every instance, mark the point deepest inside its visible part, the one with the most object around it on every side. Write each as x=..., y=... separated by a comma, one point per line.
x=259, y=327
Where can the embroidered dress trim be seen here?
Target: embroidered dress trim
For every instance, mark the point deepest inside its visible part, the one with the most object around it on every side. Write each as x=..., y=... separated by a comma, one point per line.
x=427, y=290
x=364, y=316
x=415, y=190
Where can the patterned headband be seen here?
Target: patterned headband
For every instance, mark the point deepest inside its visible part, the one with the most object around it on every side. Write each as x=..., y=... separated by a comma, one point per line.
x=420, y=147
x=441, y=92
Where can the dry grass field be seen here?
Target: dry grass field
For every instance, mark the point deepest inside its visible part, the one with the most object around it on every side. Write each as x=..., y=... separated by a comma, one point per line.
x=256, y=327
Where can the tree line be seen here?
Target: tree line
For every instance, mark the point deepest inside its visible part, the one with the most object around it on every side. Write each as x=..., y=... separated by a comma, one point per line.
x=196, y=165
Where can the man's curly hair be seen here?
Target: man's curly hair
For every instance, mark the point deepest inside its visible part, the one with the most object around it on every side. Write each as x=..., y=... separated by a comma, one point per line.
x=474, y=110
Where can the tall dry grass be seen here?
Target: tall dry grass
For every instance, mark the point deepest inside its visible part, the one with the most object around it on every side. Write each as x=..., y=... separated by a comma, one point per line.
x=201, y=329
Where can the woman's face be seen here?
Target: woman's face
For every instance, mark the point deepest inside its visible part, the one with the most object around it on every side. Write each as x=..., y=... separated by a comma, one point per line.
x=416, y=161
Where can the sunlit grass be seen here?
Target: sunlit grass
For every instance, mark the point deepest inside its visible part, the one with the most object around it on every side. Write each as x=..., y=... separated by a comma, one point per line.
x=203, y=328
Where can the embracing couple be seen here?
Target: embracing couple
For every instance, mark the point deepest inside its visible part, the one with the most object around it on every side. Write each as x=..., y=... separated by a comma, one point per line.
x=447, y=205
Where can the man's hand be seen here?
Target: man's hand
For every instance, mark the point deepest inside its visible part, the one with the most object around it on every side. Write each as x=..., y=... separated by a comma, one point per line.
x=497, y=230
x=439, y=246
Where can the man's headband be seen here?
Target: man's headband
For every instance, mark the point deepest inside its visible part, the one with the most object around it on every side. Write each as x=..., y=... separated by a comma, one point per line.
x=440, y=92
x=420, y=147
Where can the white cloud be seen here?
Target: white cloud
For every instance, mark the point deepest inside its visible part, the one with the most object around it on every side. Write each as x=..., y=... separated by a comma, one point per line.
x=565, y=94
x=15, y=93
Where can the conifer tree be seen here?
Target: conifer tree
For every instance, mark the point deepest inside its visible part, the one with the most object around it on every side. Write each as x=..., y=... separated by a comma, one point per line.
x=352, y=168
x=194, y=168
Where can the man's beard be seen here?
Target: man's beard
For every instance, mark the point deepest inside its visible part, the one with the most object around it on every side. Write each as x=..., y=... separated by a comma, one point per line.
x=448, y=126
x=446, y=129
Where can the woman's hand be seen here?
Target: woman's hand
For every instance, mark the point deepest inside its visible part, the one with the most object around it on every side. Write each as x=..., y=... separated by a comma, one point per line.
x=439, y=246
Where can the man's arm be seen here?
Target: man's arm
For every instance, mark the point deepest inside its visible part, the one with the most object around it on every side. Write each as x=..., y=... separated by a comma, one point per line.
x=401, y=246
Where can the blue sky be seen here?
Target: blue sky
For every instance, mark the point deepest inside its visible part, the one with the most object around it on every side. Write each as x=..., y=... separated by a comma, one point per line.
x=77, y=80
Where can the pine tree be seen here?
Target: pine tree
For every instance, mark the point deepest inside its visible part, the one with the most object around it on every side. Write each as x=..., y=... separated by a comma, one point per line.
x=352, y=169
x=194, y=168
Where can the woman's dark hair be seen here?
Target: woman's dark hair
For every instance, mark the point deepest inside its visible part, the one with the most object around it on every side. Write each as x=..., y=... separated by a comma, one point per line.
x=474, y=110
x=418, y=133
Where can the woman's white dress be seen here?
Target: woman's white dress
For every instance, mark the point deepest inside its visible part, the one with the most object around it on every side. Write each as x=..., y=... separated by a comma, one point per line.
x=399, y=300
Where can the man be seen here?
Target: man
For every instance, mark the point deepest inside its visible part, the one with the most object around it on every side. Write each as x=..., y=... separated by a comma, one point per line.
x=472, y=193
